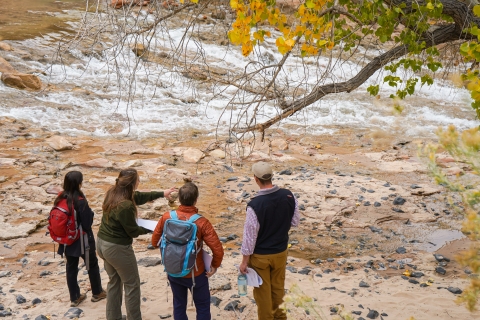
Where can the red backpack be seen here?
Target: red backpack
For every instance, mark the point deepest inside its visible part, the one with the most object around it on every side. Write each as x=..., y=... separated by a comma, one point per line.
x=63, y=225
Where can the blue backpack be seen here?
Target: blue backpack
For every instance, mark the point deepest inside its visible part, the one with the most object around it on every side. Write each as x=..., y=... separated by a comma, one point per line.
x=178, y=245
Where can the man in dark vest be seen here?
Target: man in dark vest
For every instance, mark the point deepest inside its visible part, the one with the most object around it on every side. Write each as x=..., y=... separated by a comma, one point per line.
x=270, y=214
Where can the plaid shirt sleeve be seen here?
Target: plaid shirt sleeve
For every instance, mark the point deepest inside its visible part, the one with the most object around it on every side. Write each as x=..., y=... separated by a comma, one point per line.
x=250, y=232
x=296, y=214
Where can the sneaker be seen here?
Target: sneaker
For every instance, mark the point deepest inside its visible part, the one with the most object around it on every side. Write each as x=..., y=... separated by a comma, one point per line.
x=97, y=297
x=79, y=300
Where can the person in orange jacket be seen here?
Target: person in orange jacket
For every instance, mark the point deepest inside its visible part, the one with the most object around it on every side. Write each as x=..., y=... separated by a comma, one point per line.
x=188, y=195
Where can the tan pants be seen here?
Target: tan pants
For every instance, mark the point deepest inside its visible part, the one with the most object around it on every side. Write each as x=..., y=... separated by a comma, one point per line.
x=269, y=296
x=122, y=270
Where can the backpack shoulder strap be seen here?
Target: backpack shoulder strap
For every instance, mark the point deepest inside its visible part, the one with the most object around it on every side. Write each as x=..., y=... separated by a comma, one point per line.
x=173, y=215
x=194, y=218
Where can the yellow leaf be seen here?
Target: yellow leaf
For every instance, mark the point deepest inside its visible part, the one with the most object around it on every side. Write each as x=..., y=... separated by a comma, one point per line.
x=234, y=4
x=407, y=273
x=330, y=45
x=429, y=6
x=321, y=42
x=194, y=1
x=290, y=42
x=476, y=10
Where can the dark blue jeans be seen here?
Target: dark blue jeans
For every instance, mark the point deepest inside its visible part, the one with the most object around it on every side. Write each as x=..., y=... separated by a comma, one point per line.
x=201, y=297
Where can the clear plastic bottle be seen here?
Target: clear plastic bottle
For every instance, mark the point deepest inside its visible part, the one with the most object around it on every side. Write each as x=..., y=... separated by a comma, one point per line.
x=242, y=285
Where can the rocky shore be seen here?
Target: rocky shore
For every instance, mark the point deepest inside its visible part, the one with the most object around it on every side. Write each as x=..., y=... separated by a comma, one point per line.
x=377, y=238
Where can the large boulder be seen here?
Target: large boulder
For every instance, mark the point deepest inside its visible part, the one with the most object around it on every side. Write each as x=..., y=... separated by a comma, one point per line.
x=21, y=80
x=59, y=143
x=5, y=66
x=192, y=155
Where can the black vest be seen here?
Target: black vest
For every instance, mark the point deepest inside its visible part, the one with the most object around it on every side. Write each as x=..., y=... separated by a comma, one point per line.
x=274, y=213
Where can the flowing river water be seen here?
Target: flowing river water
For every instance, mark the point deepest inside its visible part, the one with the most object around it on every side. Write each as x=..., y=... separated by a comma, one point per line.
x=82, y=99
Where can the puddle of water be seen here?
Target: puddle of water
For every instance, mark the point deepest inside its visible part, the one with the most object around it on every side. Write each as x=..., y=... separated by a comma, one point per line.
x=439, y=238
x=24, y=19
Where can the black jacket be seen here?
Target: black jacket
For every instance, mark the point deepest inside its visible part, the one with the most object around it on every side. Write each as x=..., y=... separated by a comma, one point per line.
x=85, y=218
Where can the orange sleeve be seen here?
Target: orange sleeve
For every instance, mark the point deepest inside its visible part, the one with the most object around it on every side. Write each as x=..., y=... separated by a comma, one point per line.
x=157, y=233
x=211, y=239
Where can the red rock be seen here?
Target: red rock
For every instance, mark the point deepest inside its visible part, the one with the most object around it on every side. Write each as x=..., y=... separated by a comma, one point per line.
x=5, y=66
x=22, y=81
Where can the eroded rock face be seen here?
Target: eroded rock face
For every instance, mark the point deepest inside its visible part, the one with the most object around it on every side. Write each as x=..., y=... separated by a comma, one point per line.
x=22, y=81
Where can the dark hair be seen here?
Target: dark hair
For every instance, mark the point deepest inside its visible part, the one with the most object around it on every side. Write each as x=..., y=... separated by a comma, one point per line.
x=188, y=194
x=264, y=182
x=71, y=189
x=122, y=190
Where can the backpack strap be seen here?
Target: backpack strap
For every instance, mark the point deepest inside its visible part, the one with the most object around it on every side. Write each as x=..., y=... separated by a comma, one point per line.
x=194, y=218
x=173, y=215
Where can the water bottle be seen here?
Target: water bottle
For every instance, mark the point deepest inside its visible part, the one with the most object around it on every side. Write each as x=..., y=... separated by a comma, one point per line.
x=242, y=285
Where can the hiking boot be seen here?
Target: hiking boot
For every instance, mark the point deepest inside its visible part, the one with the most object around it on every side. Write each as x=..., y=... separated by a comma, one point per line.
x=79, y=300
x=97, y=297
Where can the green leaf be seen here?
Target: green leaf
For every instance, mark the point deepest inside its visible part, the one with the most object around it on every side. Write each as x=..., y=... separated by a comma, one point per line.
x=310, y=4
x=373, y=90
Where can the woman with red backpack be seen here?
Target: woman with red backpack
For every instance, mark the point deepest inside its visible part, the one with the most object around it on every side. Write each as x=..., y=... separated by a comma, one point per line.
x=73, y=199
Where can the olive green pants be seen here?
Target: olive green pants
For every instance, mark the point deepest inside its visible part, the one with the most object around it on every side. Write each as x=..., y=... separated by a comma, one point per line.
x=269, y=296
x=122, y=270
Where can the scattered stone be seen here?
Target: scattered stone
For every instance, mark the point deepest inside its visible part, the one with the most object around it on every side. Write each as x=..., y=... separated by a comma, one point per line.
x=366, y=203
x=291, y=269
x=363, y=284
x=5, y=313
x=398, y=201
x=416, y=274
x=215, y=301
x=454, y=290
x=357, y=312
x=440, y=258
x=4, y=274
x=20, y=299
x=165, y=316
x=304, y=271
x=372, y=314
x=231, y=306
x=330, y=259
x=41, y=317
x=413, y=281
x=287, y=172
x=73, y=313
x=45, y=273
x=398, y=210
x=401, y=250
x=36, y=301
x=149, y=261
x=383, y=314
x=377, y=204
x=440, y=270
